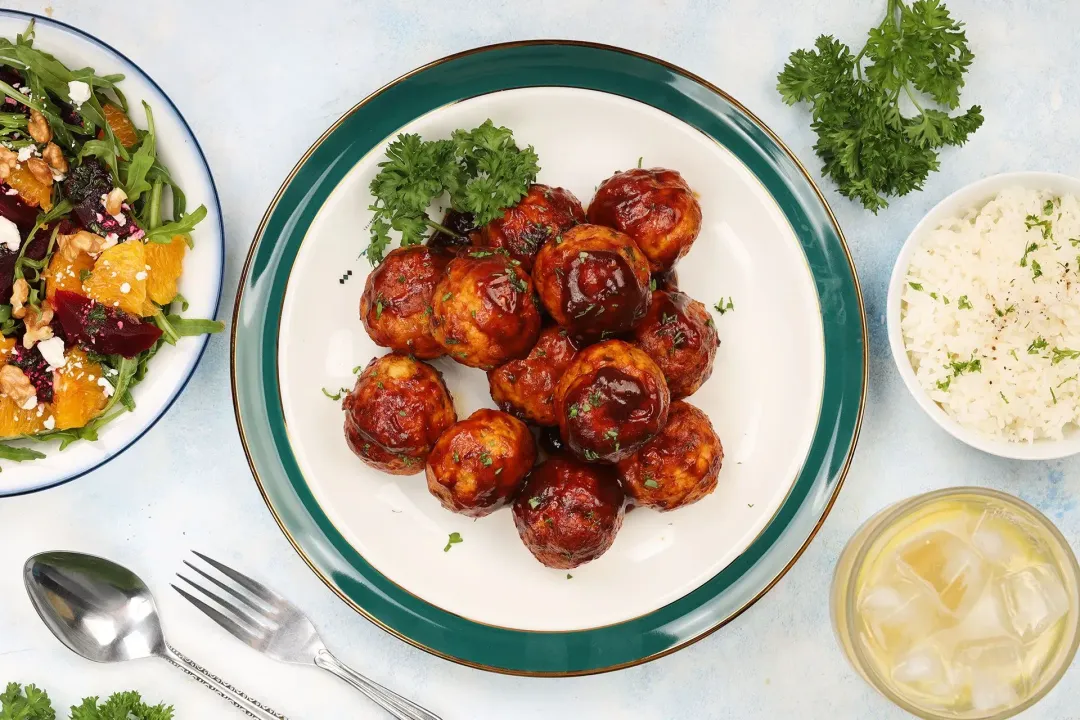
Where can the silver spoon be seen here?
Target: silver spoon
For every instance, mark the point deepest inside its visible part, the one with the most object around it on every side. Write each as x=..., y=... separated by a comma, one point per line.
x=105, y=613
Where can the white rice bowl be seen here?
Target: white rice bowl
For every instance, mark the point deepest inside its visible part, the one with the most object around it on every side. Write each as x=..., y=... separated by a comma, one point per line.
x=991, y=324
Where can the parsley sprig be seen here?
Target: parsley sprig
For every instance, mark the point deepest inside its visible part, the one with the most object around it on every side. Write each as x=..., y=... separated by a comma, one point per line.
x=868, y=146
x=482, y=170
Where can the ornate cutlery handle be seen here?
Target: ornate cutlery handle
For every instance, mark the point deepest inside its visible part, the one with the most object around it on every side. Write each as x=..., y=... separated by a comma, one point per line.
x=252, y=707
x=389, y=701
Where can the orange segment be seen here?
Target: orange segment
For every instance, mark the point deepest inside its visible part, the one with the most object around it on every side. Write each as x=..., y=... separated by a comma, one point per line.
x=118, y=279
x=15, y=421
x=121, y=125
x=7, y=345
x=166, y=263
x=33, y=192
x=77, y=397
x=66, y=274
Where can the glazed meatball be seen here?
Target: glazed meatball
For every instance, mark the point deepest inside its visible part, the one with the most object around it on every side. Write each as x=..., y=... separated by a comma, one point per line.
x=655, y=207
x=679, y=335
x=526, y=388
x=397, y=296
x=666, y=280
x=484, y=312
x=611, y=400
x=569, y=512
x=677, y=467
x=478, y=465
x=543, y=214
x=396, y=412
x=463, y=232
x=595, y=282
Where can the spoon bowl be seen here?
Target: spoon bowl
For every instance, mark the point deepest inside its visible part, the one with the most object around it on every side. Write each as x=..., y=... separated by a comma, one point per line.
x=98, y=609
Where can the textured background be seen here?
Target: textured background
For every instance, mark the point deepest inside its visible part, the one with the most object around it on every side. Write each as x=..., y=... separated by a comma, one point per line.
x=259, y=82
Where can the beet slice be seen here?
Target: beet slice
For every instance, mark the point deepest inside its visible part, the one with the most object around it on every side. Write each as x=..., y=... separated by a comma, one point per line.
x=102, y=329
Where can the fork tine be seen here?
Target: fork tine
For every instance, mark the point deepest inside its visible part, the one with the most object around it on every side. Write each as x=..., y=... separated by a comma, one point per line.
x=256, y=588
x=237, y=630
x=259, y=622
x=243, y=597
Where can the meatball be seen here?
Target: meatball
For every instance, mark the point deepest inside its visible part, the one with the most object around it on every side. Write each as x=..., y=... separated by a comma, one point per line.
x=484, y=312
x=478, y=465
x=666, y=280
x=463, y=232
x=595, y=282
x=396, y=412
x=611, y=400
x=568, y=512
x=655, y=207
x=395, y=306
x=677, y=467
x=679, y=335
x=526, y=388
x=544, y=213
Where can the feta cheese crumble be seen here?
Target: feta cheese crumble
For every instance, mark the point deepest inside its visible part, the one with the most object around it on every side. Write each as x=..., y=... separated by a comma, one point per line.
x=53, y=352
x=10, y=237
x=78, y=92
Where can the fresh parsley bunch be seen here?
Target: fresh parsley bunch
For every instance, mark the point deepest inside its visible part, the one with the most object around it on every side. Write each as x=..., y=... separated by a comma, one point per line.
x=31, y=703
x=482, y=170
x=868, y=146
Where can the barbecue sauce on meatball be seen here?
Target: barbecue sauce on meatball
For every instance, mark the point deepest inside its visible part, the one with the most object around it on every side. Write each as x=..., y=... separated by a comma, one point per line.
x=395, y=306
x=542, y=215
x=679, y=335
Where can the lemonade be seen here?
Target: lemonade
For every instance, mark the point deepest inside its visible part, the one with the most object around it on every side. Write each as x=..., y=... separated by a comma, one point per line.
x=958, y=604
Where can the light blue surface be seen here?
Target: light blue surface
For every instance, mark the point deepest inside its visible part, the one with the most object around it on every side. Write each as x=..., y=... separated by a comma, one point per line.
x=258, y=86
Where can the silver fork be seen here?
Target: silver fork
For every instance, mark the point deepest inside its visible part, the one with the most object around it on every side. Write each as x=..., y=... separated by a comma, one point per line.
x=275, y=627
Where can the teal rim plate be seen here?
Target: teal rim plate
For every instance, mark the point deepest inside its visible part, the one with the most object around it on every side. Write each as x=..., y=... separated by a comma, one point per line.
x=568, y=71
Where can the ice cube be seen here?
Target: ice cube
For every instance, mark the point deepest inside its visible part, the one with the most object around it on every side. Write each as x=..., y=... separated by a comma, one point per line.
x=900, y=612
x=952, y=567
x=994, y=670
x=998, y=539
x=1034, y=599
x=923, y=669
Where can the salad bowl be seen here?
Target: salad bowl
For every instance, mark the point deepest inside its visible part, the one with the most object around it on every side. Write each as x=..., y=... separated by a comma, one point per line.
x=200, y=283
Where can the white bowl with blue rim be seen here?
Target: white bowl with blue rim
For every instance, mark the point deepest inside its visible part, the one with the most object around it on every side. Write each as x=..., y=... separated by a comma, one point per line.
x=200, y=284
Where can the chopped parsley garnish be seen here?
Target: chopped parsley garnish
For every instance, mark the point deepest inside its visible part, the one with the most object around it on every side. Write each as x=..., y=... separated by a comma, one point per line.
x=1071, y=377
x=457, y=458
x=379, y=305
x=722, y=307
x=357, y=369
x=540, y=353
x=1036, y=345
x=454, y=539
x=652, y=284
x=1048, y=207
x=1004, y=398
x=966, y=366
x=667, y=318
x=1027, y=251
x=639, y=162
x=402, y=413
x=1045, y=226
x=335, y=396
x=916, y=286
x=447, y=296
x=590, y=455
x=481, y=253
x=573, y=412
x=534, y=502
x=1059, y=354
x=84, y=275
x=943, y=385
x=569, y=576
x=485, y=459
x=1036, y=269
x=963, y=303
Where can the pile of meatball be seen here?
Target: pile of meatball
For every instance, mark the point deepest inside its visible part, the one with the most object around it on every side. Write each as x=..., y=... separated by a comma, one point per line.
x=578, y=321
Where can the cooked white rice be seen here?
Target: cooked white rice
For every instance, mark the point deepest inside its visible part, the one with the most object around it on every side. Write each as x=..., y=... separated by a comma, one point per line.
x=1008, y=364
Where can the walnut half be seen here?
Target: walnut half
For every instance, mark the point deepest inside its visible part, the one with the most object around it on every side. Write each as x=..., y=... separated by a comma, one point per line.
x=20, y=293
x=38, y=127
x=55, y=157
x=82, y=241
x=15, y=384
x=8, y=162
x=38, y=326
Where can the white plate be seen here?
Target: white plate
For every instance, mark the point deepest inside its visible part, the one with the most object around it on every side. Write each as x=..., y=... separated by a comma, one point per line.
x=974, y=195
x=764, y=396
x=200, y=284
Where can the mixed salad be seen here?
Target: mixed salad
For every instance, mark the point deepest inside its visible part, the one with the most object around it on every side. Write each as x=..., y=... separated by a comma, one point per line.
x=93, y=234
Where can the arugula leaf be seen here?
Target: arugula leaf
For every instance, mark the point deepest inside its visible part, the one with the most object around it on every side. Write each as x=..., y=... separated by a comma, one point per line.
x=134, y=172
x=17, y=454
x=868, y=147
x=164, y=234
